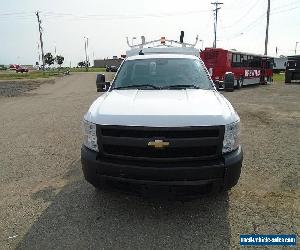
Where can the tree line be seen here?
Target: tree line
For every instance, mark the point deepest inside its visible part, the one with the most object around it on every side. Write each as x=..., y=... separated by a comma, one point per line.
x=50, y=59
x=59, y=59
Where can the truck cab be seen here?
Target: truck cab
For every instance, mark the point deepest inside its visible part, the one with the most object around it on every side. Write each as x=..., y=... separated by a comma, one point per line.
x=292, y=72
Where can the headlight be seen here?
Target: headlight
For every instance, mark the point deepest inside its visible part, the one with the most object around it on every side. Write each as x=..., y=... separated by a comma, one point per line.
x=90, y=136
x=231, y=137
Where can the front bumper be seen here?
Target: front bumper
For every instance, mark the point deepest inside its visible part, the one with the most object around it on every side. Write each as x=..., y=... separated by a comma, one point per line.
x=205, y=178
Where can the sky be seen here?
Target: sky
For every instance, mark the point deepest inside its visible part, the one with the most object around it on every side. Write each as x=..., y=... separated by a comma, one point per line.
x=241, y=26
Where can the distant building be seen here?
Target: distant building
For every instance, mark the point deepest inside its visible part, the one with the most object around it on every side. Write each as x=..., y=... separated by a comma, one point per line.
x=101, y=63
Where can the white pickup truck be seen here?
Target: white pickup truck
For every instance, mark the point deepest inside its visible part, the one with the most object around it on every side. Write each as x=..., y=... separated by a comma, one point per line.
x=162, y=124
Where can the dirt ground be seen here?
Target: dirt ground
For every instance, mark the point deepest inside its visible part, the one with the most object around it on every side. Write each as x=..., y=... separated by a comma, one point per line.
x=46, y=204
x=10, y=88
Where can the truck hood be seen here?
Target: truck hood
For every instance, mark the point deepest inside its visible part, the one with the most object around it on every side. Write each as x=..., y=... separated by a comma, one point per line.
x=162, y=108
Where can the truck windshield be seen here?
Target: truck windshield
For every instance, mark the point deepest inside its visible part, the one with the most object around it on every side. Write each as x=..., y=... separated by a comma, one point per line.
x=162, y=73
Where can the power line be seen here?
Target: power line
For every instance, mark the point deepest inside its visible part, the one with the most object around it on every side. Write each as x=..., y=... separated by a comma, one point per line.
x=242, y=17
x=286, y=5
x=122, y=16
x=256, y=22
x=15, y=13
x=247, y=28
x=285, y=10
x=110, y=17
x=25, y=15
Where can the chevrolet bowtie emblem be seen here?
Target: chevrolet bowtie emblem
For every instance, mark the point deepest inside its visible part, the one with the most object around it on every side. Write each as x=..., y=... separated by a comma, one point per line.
x=158, y=144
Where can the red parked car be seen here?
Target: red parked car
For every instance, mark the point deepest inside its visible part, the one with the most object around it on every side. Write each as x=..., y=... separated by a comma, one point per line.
x=21, y=69
x=13, y=66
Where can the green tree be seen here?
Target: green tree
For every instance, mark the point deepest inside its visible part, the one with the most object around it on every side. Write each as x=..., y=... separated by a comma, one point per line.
x=49, y=59
x=81, y=64
x=59, y=59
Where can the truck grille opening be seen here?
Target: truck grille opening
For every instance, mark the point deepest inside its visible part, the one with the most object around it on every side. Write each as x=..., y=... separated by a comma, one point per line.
x=160, y=153
x=152, y=132
x=160, y=190
x=187, y=143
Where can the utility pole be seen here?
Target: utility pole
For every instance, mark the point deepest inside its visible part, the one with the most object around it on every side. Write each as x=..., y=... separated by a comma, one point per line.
x=216, y=21
x=41, y=39
x=55, y=62
x=94, y=58
x=267, y=28
x=86, y=42
x=38, y=47
x=296, y=48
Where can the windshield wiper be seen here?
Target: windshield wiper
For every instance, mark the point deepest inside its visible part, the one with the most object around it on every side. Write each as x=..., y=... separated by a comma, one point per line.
x=137, y=86
x=182, y=86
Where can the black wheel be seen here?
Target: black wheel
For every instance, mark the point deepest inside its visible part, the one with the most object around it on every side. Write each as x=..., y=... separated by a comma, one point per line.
x=229, y=90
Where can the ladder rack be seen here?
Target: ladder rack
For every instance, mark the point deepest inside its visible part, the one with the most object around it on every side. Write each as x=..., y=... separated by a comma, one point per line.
x=161, y=43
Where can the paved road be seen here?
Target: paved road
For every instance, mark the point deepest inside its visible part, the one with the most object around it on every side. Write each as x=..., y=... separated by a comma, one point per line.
x=46, y=204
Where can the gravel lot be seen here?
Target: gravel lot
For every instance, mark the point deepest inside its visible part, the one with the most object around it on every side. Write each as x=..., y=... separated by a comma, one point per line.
x=45, y=203
x=9, y=88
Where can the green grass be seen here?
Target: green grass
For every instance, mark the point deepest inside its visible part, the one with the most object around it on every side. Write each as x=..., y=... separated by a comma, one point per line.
x=90, y=70
x=12, y=75
x=30, y=75
x=278, y=77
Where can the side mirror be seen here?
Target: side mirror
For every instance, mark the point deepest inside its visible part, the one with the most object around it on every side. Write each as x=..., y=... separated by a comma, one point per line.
x=229, y=81
x=100, y=78
x=101, y=84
